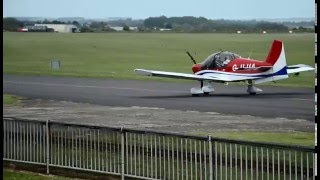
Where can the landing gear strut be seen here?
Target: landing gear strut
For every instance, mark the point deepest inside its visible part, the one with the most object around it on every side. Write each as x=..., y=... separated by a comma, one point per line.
x=252, y=90
x=205, y=93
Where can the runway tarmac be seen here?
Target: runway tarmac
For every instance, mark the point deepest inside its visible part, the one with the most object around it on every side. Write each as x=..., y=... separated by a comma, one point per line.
x=286, y=102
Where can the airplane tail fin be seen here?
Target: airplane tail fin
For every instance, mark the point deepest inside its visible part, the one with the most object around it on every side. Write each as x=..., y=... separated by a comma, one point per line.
x=279, y=69
x=277, y=58
x=274, y=52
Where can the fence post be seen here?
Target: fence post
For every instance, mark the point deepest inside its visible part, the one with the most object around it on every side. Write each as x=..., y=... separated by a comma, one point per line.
x=210, y=158
x=122, y=153
x=47, y=146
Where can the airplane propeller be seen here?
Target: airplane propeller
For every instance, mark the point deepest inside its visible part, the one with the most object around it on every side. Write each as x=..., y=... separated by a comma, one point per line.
x=194, y=62
x=191, y=57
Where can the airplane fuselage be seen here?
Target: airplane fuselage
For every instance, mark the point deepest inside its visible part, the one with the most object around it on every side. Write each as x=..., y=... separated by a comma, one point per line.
x=239, y=65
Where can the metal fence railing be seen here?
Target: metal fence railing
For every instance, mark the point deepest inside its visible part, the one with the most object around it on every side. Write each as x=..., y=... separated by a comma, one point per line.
x=151, y=155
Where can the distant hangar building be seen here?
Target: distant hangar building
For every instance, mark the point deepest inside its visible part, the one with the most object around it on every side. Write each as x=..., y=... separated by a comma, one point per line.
x=63, y=28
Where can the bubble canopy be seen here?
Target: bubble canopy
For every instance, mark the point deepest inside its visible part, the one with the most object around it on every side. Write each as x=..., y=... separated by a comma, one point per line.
x=219, y=59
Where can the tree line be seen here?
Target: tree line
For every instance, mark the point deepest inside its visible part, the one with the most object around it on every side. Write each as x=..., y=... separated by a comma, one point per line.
x=174, y=24
x=201, y=24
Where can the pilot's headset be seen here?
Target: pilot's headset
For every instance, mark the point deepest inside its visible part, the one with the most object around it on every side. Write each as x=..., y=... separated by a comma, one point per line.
x=226, y=60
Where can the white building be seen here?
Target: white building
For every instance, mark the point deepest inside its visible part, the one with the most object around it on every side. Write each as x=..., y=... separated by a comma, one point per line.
x=133, y=28
x=116, y=28
x=164, y=29
x=63, y=28
x=120, y=28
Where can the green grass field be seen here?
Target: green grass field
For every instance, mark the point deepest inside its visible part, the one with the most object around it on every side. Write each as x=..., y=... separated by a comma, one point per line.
x=292, y=138
x=9, y=174
x=10, y=99
x=115, y=55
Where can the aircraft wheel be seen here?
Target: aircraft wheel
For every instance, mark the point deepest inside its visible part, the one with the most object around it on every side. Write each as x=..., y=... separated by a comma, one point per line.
x=253, y=93
x=206, y=93
x=195, y=95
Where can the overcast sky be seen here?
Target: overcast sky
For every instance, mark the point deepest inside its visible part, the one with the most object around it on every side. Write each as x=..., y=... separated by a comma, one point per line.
x=140, y=9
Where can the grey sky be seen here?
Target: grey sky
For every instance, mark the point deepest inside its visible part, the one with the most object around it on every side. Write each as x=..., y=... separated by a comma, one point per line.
x=213, y=9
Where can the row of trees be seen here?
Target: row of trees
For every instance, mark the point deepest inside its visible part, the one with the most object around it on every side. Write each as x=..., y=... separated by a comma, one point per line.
x=11, y=24
x=176, y=24
x=201, y=24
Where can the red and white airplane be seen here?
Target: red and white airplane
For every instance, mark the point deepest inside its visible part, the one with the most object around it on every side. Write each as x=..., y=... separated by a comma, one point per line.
x=224, y=67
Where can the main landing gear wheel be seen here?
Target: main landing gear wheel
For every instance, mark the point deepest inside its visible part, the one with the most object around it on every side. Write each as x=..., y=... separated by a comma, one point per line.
x=207, y=89
x=195, y=91
x=195, y=95
x=203, y=90
x=252, y=90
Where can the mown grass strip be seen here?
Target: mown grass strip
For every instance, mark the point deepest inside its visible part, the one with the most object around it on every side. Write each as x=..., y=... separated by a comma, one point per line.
x=292, y=138
x=10, y=99
x=116, y=55
x=9, y=174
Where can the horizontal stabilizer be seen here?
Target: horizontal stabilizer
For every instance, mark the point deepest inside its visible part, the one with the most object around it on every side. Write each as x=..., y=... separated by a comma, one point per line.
x=298, y=68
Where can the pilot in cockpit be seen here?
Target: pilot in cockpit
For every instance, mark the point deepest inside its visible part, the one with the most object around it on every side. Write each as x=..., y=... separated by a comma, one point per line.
x=220, y=60
x=226, y=61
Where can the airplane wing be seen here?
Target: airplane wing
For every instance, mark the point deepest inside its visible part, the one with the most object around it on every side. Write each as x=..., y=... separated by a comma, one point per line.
x=175, y=75
x=298, y=68
x=208, y=77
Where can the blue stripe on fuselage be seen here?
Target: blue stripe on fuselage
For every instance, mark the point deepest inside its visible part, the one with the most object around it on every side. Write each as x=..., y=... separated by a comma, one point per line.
x=282, y=71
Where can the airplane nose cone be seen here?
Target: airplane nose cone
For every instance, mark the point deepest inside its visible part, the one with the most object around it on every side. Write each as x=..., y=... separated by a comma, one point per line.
x=196, y=68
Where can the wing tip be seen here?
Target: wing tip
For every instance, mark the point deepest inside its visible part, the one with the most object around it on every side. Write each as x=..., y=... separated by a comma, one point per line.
x=143, y=72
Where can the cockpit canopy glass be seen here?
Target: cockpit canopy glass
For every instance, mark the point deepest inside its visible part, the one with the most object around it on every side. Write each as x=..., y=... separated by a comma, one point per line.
x=218, y=60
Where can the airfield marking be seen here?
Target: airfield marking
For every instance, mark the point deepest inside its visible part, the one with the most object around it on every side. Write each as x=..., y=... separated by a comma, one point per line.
x=53, y=84
x=301, y=99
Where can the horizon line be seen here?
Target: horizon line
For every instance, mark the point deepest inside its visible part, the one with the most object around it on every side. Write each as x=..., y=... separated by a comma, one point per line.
x=152, y=16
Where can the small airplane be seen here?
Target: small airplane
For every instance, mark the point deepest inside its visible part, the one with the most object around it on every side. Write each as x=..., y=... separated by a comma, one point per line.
x=225, y=67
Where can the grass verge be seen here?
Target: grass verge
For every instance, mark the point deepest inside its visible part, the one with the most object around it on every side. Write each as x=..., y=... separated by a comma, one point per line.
x=10, y=99
x=9, y=174
x=292, y=138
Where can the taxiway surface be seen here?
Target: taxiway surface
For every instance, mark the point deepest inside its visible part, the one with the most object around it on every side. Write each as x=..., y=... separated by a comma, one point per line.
x=286, y=102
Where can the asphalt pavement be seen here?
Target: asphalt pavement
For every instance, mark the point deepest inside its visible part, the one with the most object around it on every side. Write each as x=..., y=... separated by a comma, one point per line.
x=277, y=102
